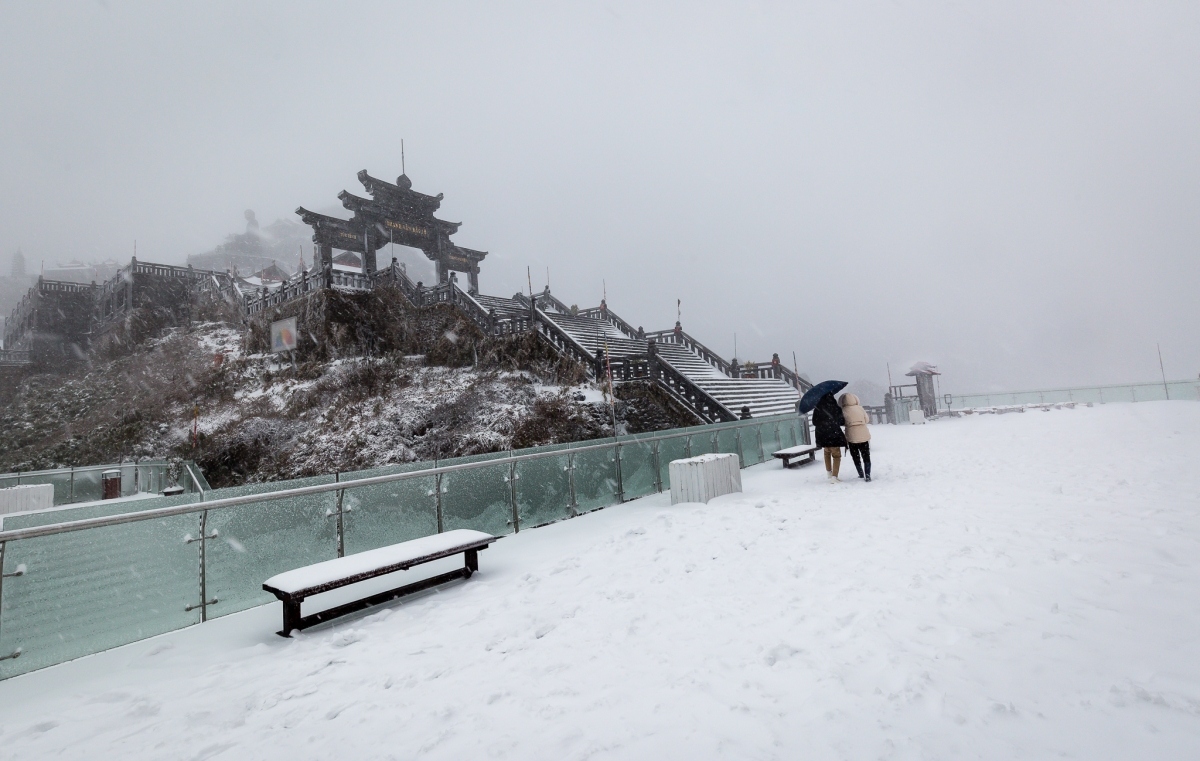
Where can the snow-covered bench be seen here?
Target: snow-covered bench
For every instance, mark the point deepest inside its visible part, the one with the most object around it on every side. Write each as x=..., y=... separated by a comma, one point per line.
x=805, y=453
x=292, y=587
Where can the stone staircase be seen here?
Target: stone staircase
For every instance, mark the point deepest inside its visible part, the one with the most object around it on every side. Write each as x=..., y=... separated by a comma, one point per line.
x=713, y=388
x=503, y=308
x=764, y=396
x=596, y=335
x=597, y=329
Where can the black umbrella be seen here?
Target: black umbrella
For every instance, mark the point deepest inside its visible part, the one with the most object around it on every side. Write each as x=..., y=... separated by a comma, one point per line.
x=814, y=394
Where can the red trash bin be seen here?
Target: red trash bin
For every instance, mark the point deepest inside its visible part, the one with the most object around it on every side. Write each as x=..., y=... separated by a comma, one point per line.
x=110, y=484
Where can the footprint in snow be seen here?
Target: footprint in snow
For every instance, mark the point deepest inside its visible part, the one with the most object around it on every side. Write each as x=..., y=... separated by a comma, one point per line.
x=346, y=639
x=780, y=653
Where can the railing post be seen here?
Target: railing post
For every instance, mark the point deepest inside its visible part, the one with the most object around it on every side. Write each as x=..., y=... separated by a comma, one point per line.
x=574, y=504
x=657, y=470
x=620, y=480
x=438, y=490
x=738, y=435
x=341, y=525
x=18, y=652
x=203, y=566
x=512, y=496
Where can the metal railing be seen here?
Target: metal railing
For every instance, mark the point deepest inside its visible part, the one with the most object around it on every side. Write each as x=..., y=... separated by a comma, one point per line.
x=1131, y=392
x=76, y=587
x=83, y=483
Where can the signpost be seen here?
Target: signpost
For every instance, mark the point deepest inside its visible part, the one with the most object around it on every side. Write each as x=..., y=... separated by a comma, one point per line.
x=283, y=338
x=283, y=335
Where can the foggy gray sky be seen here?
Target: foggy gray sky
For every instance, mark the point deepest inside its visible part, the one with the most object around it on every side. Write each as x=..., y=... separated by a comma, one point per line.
x=1007, y=190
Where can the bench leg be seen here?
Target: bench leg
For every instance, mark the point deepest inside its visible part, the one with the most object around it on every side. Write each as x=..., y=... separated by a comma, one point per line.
x=291, y=617
x=472, y=562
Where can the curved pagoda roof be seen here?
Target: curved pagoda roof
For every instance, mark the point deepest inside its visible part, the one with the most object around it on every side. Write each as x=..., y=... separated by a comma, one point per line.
x=400, y=192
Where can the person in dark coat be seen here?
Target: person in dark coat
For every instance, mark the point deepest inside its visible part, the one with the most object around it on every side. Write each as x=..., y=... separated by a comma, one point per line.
x=828, y=421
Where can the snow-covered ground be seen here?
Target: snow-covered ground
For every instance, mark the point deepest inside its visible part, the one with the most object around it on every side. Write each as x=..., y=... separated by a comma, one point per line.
x=1021, y=586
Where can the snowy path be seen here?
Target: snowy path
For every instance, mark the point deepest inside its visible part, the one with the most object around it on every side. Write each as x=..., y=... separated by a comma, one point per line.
x=1020, y=586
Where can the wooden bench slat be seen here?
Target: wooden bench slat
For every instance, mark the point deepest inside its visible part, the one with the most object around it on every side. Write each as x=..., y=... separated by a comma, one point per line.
x=797, y=450
x=292, y=587
x=806, y=453
x=331, y=574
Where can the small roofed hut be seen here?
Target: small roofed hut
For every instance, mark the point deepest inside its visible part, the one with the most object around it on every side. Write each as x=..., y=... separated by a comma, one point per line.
x=923, y=373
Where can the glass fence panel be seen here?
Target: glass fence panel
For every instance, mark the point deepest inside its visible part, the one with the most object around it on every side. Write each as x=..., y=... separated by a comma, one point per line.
x=60, y=479
x=674, y=448
x=68, y=513
x=129, y=482
x=150, y=479
x=1151, y=393
x=727, y=441
x=543, y=491
x=596, y=479
x=703, y=442
x=751, y=453
x=479, y=499
x=770, y=439
x=87, y=591
x=256, y=541
x=382, y=514
x=1138, y=392
x=87, y=484
x=7, y=481
x=788, y=434
x=194, y=469
x=1189, y=390
x=1119, y=394
x=638, y=472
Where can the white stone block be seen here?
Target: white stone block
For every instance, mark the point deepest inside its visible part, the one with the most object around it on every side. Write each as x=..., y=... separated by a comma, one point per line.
x=699, y=479
x=18, y=499
x=916, y=416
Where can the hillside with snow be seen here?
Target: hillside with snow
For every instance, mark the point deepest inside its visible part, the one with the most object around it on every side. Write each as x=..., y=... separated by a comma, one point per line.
x=209, y=392
x=1017, y=586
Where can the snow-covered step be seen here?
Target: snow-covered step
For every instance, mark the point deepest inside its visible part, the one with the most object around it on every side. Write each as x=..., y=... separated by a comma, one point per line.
x=504, y=308
x=595, y=334
x=764, y=396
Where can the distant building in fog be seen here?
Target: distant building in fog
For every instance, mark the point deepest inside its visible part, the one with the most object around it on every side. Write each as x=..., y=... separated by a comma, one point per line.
x=257, y=249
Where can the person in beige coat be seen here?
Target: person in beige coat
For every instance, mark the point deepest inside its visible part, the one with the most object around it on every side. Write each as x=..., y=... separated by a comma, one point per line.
x=858, y=437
